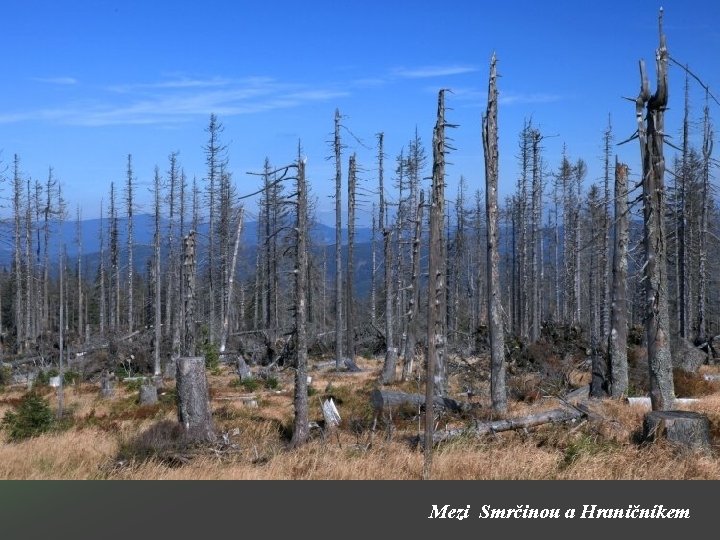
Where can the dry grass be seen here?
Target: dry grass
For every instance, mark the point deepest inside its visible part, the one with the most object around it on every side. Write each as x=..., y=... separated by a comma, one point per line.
x=118, y=439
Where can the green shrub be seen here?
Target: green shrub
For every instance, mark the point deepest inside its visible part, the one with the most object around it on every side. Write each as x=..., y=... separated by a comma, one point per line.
x=5, y=375
x=71, y=377
x=32, y=417
x=212, y=356
x=272, y=383
x=249, y=385
x=43, y=377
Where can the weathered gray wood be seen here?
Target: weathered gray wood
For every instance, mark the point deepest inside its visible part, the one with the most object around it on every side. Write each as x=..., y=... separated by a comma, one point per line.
x=646, y=402
x=497, y=334
x=650, y=112
x=243, y=369
x=193, y=399
x=300, y=398
x=480, y=428
x=384, y=399
x=686, y=429
x=617, y=338
x=148, y=393
x=107, y=385
x=330, y=414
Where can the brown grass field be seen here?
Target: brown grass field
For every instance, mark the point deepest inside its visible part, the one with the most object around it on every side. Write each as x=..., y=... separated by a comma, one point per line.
x=118, y=439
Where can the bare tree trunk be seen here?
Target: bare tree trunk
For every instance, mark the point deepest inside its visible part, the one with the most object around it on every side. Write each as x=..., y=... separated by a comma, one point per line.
x=536, y=236
x=651, y=135
x=436, y=379
x=338, y=246
x=114, y=264
x=80, y=311
x=61, y=337
x=683, y=303
x=17, y=202
x=498, y=390
x=413, y=312
x=350, y=301
x=129, y=203
x=28, y=266
x=388, y=373
x=300, y=423
x=102, y=273
x=231, y=279
x=617, y=337
x=604, y=254
x=706, y=201
x=157, y=322
x=373, y=271
x=189, y=265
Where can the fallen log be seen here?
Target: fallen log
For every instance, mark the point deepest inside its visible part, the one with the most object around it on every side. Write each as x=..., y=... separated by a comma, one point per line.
x=646, y=403
x=479, y=428
x=385, y=399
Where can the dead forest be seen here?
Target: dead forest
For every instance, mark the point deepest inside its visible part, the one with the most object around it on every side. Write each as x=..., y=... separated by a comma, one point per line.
x=568, y=330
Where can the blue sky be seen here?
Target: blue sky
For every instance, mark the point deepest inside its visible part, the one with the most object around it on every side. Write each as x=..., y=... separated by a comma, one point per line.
x=85, y=83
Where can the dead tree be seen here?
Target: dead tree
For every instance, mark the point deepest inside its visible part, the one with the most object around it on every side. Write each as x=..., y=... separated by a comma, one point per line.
x=388, y=372
x=231, y=280
x=413, y=310
x=617, y=337
x=78, y=240
x=436, y=377
x=349, y=281
x=604, y=253
x=337, y=147
x=129, y=203
x=703, y=233
x=157, y=322
x=498, y=390
x=651, y=133
x=17, y=260
x=114, y=264
x=189, y=265
x=300, y=424
x=102, y=301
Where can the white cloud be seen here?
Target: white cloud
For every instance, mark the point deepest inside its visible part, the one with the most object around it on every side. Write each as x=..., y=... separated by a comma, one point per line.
x=175, y=101
x=64, y=81
x=427, y=72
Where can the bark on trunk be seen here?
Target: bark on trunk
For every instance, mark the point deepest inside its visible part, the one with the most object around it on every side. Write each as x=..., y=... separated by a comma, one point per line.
x=300, y=426
x=193, y=400
x=651, y=135
x=617, y=338
x=497, y=333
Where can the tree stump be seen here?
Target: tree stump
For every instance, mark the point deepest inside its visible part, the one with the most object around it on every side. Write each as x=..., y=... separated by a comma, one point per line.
x=193, y=399
x=685, y=429
x=243, y=369
x=148, y=393
x=107, y=386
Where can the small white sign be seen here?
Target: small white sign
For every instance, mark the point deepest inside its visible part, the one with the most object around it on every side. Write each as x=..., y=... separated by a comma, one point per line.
x=55, y=382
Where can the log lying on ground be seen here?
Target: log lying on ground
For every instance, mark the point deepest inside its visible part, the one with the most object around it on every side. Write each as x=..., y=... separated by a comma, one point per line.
x=685, y=429
x=385, y=399
x=645, y=401
x=480, y=428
